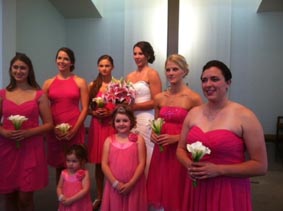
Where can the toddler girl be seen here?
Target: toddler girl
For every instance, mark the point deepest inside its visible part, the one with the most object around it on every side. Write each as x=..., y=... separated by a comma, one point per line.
x=73, y=188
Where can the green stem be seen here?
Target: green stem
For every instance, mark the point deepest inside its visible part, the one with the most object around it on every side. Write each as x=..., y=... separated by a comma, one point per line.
x=18, y=144
x=195, y=183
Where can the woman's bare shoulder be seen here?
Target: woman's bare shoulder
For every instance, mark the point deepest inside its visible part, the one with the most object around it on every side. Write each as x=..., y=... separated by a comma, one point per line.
x=194, y=96
x=152, y=72
x=80, y=81
x=242, y=111
x=48, y=82
x=131, y=74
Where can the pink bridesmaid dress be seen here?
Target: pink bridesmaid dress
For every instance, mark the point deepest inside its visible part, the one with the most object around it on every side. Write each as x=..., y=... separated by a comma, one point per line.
x=24, y=168
x=99, y=130
x=222, y=192
x=165, y=182
x=64, y=96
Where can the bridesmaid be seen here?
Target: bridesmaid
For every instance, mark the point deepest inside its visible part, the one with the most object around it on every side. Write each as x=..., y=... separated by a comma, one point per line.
x=147, y=84
x=100, y=126
x=172, y=105
x=67, y=93
x=235, y=137
x=23, y=167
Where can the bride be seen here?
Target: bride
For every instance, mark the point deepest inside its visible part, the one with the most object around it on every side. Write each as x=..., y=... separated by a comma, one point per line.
x=147, y=84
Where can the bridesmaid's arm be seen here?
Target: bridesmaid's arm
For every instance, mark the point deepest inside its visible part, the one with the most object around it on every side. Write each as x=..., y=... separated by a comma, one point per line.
x=3, y=132
x=105, y=163
x=46, y=85
x=84, y=104
x=182, y=154
x=157, y=100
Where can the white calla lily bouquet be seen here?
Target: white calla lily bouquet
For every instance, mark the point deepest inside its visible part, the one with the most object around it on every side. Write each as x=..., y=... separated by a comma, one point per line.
x=156, y=126
x=197, y=150
x=17, y=121
x=63, y=127
x=98, y=102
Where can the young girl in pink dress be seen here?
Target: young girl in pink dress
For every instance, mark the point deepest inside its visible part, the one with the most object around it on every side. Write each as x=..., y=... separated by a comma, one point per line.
x=100, y=127
x=73, y=188
x=123, y=163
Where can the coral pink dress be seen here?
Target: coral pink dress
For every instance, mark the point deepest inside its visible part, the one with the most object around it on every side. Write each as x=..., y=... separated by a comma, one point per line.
x=72, y=184
x=99, y=130
x=64, y=96
x=218, y=193
x=123, y=161
x=165, y=182
x=23, y=168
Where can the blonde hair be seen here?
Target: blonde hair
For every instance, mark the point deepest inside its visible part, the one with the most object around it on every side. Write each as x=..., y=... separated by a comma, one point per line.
x=180, y=61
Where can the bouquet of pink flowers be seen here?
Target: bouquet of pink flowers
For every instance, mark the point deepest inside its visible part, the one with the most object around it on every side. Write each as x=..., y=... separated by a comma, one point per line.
x=120, y=91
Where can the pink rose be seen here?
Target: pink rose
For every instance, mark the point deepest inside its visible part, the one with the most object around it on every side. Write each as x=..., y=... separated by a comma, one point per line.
x=80, y=174
x=133, y=137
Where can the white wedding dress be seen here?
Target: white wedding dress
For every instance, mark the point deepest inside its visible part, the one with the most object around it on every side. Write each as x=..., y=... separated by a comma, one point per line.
x=143, y=118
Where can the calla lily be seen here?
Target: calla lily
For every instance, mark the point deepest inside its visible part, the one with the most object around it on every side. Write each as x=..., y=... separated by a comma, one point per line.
x=100, y=102
x=63, y=127
x=17, y=121
x=156, y=126
x=198, y=150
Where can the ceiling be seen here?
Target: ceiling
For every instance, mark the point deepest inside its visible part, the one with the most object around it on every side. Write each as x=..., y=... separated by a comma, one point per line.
x=87, y=9
x=76, y=9
x=271, y=6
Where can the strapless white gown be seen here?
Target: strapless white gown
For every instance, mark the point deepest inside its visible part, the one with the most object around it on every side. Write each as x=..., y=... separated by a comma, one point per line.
x=143, y=118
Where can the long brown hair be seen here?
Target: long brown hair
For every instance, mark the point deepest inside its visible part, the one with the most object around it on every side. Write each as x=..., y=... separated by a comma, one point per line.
x=97, y=82
x=31, y=76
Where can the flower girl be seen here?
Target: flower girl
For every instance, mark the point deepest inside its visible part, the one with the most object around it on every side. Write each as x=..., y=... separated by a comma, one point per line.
x=123, y=163
x=73, y=189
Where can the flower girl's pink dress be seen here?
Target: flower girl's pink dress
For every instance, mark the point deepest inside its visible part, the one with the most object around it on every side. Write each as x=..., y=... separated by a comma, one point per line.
x=72, y=184
x=123, y=161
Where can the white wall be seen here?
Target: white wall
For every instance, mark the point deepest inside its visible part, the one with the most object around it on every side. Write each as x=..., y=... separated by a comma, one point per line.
x=256, y=61
x=41, y=30
x=9, y=37
x=94, y=37
x=250, y=43
x=124, y=23
x=204, y=34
